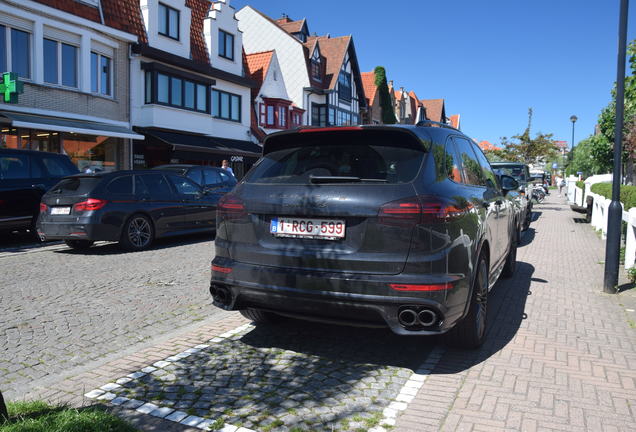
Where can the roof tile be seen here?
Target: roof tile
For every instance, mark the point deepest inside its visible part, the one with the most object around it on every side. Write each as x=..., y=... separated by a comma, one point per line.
x=434, y=109
x=370, y=89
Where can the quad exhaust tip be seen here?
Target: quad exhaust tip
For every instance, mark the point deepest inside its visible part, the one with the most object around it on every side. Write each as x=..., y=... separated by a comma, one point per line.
x=221, y=294
x=410, y=316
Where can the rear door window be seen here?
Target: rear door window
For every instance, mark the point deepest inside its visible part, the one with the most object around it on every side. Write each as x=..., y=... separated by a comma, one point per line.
x=196, y=175
x=487, y=173
x=186, y=188
x=453, y=168
x=211, y=177
x=158, y=187
x=227, y=178
x=57, y=167
x=472, y=169
x=14, y=167
x=121, y=185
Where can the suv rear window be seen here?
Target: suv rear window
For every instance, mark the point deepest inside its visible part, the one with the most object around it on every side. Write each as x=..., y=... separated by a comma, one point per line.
x=75, y=185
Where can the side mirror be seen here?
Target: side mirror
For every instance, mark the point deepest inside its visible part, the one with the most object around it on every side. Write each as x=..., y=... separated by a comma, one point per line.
x=508, y=183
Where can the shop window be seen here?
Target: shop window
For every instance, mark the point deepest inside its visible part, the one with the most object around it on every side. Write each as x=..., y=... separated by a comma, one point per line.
x=92, y=153
x=168, y=21
x=55, y=167
x=19, y=42
x=226, y=106
x=318, y=115
x=226, y=45
x=101, y=74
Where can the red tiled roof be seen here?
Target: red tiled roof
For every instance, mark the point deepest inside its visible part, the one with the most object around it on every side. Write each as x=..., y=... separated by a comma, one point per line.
x=454, y=121
x=124, y=15
x=198, y=47
x=368, y=83
x=334, y=50
x=290, y=26
x=434, y=109
x=258, y=64
x=485, y=146
x=74, y=7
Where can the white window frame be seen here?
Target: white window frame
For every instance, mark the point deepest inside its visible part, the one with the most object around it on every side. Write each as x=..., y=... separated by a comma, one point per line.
x=59, y=63
x=99, y=81
x=8, y=48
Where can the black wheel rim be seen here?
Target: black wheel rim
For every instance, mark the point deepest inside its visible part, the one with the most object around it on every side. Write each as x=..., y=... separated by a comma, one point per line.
x=139, y=232
x=482, y=299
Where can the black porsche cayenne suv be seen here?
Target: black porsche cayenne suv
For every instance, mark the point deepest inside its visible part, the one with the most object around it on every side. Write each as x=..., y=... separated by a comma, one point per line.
x=399, y=226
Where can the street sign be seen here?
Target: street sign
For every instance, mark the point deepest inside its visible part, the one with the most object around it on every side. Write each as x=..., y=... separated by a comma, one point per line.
x=11, y=87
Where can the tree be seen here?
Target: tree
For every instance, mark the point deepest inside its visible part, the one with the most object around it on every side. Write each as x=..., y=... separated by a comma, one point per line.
x=607, y=123
x=590, y=156
x=388, y=115
x=527, y=149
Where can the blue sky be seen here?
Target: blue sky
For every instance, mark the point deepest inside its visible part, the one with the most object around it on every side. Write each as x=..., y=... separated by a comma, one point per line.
x=490, y=60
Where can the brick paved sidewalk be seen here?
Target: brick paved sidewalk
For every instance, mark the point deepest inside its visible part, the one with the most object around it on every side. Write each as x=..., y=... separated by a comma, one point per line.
x=560, y=353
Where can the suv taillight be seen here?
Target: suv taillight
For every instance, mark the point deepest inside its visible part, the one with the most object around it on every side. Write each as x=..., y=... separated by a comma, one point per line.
x=43, y=208
x=90, y=204
x=231, y=207
x=421, y=209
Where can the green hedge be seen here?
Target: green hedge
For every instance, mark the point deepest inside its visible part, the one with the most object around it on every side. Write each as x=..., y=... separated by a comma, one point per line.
x=580, y=184
x=628, y=193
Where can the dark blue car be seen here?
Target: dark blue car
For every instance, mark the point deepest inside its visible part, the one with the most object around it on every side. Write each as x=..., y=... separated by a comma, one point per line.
x=405, y=227
x=129, y=207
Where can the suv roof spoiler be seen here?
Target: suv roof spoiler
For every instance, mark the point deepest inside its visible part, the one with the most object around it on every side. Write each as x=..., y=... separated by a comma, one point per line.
x=434, y=123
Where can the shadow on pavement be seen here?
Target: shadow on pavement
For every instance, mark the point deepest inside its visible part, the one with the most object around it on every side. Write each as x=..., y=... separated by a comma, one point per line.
x=527, y=237
x=162, y=243
x=536, y=215
x=506, y=312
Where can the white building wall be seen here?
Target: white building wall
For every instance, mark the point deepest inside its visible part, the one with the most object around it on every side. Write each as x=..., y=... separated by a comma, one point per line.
x=274, y=81
x=260, y=34
x=222, y=17
x=150, y=12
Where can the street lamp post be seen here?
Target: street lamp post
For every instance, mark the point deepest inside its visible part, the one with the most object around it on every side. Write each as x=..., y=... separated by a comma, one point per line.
x=614, y=213
x=573, y=119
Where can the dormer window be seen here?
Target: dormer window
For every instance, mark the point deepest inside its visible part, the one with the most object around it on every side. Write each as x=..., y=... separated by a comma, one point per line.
x=226, y=45
x=168, y=21
x=316, y=66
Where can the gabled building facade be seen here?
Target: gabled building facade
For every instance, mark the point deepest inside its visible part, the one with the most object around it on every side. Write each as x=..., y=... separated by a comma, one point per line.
x=72, y=58
x=321, y=73
x=273, y=108
x=191, y=97
x=373, y=114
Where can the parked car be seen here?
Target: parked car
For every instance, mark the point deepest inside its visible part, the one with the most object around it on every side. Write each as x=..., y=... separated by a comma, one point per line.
x=130, y=207
x=212, y=178
x=25, y=175
x=398, y=226
x=521, y=173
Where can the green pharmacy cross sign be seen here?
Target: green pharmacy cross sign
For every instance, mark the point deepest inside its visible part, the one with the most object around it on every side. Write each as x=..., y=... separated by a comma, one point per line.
x=11, y=87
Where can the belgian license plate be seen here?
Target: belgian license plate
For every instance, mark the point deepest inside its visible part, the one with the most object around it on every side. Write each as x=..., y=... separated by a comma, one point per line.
x=60, y=210
x=325, y=229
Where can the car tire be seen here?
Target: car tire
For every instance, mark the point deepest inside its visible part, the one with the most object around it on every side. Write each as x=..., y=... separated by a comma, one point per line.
x=260, y=316
x=511, y=261
x=138, y=233
x=528, y=219
x=79, y=244
x=470, y=332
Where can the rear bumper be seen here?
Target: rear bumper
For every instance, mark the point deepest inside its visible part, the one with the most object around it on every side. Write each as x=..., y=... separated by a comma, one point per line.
x=82, y=229
x=362, y=300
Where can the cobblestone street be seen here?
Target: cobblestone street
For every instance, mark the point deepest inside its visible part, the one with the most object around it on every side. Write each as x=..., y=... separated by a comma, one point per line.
x=62, y=309
x=559, y=355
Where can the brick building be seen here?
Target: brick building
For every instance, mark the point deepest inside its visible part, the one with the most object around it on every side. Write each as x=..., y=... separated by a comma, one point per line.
x=73, y=60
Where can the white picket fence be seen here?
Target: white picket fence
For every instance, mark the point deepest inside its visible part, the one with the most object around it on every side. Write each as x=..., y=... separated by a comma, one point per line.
x=578, y=196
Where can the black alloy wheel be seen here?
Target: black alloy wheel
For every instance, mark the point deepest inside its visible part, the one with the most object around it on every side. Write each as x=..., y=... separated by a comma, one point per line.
x=138, y=233
x=470, y=332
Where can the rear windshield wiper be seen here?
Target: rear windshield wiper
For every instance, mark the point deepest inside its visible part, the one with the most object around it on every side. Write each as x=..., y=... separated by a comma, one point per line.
x=341, y=179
